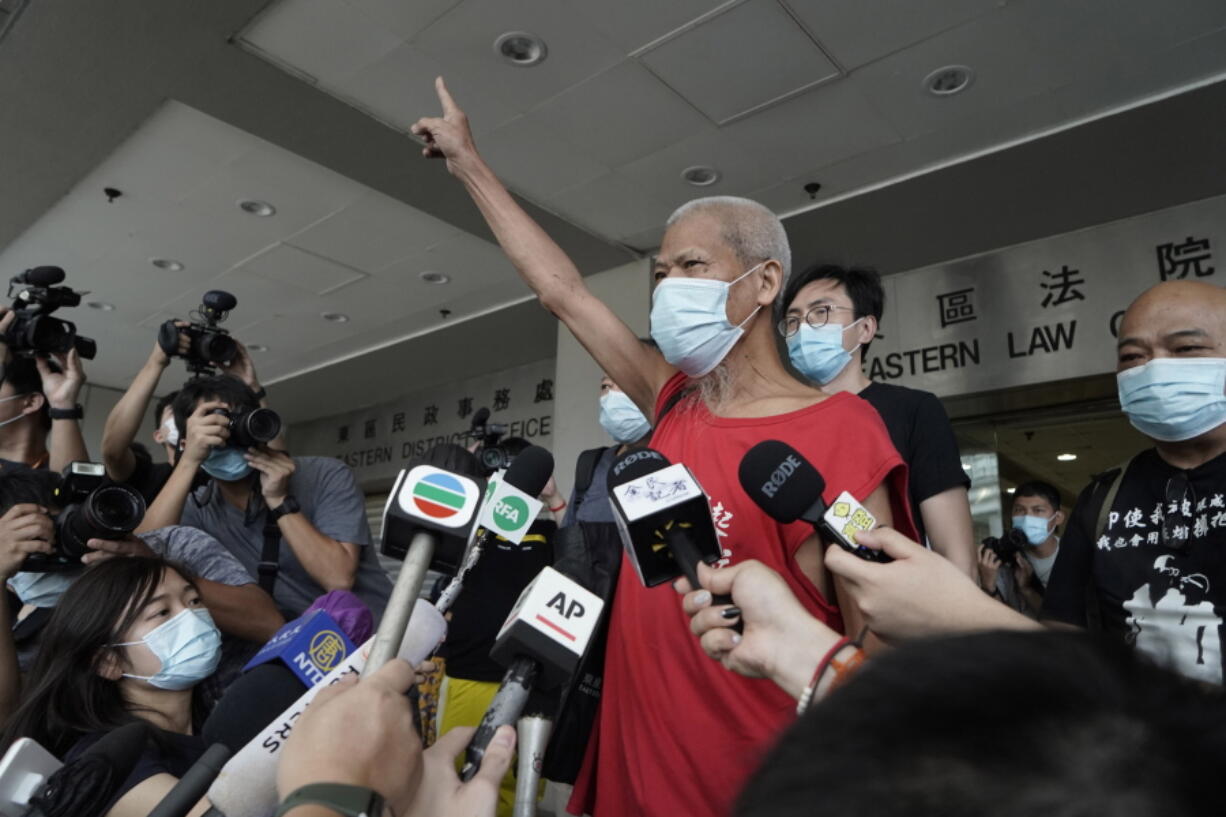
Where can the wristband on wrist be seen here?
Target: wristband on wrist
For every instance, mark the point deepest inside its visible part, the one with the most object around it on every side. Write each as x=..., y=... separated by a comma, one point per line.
x=351, y=801
x=560, y=507
x=842, y=670
x=77, y=412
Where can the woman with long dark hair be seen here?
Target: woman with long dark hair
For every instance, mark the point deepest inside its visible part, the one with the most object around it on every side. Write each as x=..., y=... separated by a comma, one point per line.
x=129, y=640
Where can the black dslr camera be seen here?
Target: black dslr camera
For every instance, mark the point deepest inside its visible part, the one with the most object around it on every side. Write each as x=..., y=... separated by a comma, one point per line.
x=249, y=427
x=1007, y=546
x=91, y=507
x=210, y=345
x=34, y=332
x=493, y=456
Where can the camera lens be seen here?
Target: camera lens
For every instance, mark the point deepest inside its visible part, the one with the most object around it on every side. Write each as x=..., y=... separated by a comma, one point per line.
x=493, y=458
x=109, y=512
x=256, y=426
x=216, y=348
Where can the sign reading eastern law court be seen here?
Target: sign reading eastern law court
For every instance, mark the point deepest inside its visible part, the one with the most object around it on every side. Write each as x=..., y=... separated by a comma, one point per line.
x=376, y=442
x=1041, y=311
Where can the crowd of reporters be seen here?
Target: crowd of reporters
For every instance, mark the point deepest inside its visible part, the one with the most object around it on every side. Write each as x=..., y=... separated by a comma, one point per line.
x=923, y=665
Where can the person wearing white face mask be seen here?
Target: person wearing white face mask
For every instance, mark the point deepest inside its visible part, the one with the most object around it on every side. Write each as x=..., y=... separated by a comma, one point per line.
x=1037, y=514
x=1148, y=538
x=831, y=316
x=128, y=461
x=715, y=387
x=130, y=640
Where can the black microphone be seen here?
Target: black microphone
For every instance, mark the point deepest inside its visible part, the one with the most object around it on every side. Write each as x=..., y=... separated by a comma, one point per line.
x=41, y=276
x=89, y=782
x=250, y=704
x=788, y=487
x=193, y=785
x=664, y=519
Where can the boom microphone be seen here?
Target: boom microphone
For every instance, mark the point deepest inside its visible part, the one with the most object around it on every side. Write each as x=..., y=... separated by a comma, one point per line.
x=788, y=487
x=246, y=786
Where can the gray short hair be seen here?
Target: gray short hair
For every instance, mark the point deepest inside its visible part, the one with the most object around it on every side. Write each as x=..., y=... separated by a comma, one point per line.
x=749, y=228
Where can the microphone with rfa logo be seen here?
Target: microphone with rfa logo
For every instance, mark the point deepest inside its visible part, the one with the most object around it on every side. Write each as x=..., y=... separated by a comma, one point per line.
x=508, y=511
x=541, y=642
x=788, y=487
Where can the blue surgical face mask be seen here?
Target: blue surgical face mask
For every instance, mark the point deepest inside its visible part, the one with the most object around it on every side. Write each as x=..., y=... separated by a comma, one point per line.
x=689, y=322
x=1174, y=399
x=227, y=464
x=42, y=589
x=1035, y=528
x=818, y=353
x=621, y=418
x=189, y=647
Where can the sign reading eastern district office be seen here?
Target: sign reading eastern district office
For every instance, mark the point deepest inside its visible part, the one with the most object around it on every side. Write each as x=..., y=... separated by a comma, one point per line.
x=1041, y=311
x=377, y=442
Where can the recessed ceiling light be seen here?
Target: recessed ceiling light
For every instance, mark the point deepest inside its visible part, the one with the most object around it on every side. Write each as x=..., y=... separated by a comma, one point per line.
x=255, y=207
x=335, y=317
x=167, y=264
x=1066, y=457
x=521, y=48
x=950, y=80
x=256, y=347
x=701, y=175
x=435, y=277
x=1010, y=490
x=101, y=305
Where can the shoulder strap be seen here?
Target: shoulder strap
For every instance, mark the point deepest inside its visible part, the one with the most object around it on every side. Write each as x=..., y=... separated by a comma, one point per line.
x=672, y=402
x=1101, y=517
x=585, y=470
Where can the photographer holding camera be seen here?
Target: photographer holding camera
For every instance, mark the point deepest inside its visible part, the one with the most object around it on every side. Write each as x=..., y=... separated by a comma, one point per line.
x=1029, y=549
x=296, y=523
x=203, y=346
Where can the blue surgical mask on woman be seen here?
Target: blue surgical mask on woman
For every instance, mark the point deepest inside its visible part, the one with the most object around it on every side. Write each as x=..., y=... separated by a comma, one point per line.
x=1174, y=399
x=621, y=417
x=818, y=353
x=227, y=464
x=1035, y=528
x=189, y=647
x=42, y=589
x=689, y=322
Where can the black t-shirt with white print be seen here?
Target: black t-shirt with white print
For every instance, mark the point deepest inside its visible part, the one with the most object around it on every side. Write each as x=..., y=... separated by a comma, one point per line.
x=1169, y=602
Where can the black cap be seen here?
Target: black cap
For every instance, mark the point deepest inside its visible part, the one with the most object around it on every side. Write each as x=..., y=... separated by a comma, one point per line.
x=780, y=480
x=530, y=470
x=636, y=464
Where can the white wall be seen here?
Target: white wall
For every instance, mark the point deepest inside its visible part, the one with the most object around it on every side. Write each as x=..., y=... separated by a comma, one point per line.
x=627, y=291
x=98, y=402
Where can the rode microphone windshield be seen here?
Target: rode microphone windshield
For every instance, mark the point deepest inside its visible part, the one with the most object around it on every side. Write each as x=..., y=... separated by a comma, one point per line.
x=663, y=517
x=788, y=487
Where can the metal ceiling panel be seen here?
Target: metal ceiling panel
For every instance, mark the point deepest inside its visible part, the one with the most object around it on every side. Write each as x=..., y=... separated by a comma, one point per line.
x=296, y=267
x=740, y=60
x=857, y=32
x=325, y=39
x=535, y=160
x=615, y=202
x=633, y=24
x=649, y=117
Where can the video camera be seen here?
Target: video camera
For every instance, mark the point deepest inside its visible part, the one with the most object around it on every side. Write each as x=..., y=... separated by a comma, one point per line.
x=1007, y=546
x=493, y=457
x=34, y=332
x=91, y=508
x=209, y=345
x=250, y=427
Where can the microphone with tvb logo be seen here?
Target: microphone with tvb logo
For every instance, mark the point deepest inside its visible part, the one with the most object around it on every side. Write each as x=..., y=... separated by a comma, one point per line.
x=788, y=487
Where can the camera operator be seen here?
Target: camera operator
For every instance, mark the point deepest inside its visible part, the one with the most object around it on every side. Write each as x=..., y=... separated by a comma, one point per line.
x=308, y=509
x=1036, y=516
x=39, y=396
x=130, y=464
x=28, y=508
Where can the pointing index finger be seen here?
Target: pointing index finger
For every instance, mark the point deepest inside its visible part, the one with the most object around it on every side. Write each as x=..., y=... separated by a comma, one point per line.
x=444, y=97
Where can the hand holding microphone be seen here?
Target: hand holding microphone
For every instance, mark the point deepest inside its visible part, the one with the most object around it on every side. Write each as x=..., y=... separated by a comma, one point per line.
x=780, y=641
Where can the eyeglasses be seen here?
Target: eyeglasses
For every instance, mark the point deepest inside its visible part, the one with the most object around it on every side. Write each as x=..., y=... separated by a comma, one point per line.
x=817, y=317
x=1177, y=518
